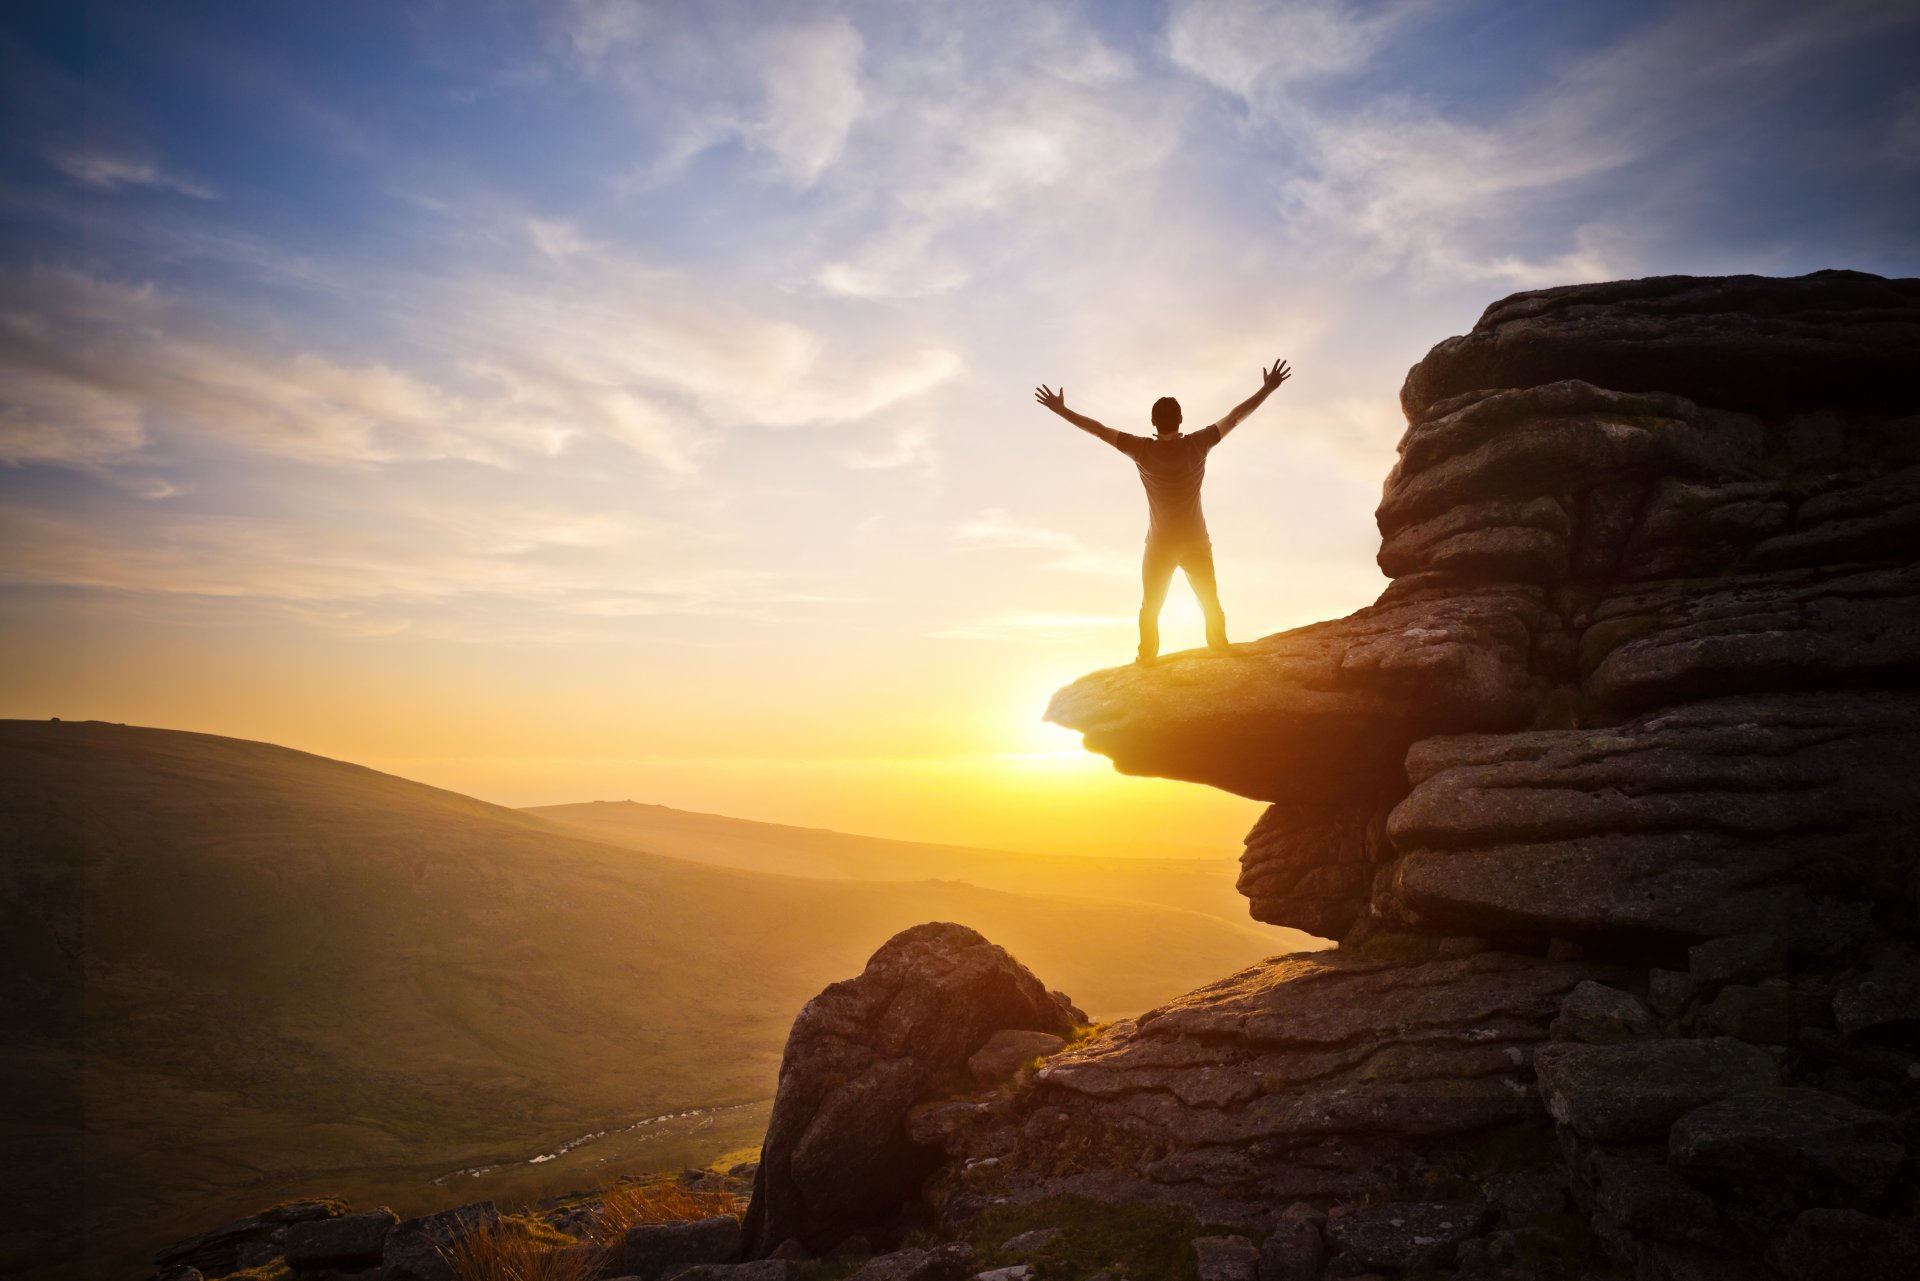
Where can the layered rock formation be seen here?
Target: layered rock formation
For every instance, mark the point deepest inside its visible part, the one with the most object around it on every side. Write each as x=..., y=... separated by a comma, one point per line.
x=1610, y=801
x=1610, y=798
x=1650, y=642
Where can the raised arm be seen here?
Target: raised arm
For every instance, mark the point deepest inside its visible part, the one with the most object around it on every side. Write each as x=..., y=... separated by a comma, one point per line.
x=1269, y=379
x=1057, y=402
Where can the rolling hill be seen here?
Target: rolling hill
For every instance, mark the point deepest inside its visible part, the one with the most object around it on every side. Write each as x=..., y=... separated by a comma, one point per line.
x=242, y=972
x=1197, y=885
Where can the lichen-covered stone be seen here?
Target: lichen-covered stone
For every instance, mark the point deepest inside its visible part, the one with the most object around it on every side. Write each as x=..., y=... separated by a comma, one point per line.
x=345, y=1242
x=1738, y=958
x=1418, y=1234
x=1225, y=1258
x=1837, y=1244
x=1637, y=1089
x=1294, y=1250
x=1795, y=1136
x=1602, y=1015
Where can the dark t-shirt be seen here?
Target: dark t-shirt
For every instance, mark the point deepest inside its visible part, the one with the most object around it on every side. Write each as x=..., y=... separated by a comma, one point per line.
x=1171, y=468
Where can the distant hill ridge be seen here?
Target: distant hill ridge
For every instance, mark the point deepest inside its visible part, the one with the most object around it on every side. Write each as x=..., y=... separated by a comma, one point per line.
x=243, y=972
x=1199, y=885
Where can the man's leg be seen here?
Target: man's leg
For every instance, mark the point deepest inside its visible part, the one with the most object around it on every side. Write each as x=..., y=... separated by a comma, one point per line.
x=1198, y=562
x=1156, y=574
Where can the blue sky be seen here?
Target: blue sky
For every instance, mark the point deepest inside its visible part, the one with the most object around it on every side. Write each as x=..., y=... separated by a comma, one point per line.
x=541, y=397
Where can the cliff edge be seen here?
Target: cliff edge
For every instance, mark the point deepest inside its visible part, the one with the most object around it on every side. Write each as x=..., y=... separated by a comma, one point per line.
x=1648, y=659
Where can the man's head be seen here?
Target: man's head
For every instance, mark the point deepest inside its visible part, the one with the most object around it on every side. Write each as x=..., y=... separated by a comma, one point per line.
x=1166, y=415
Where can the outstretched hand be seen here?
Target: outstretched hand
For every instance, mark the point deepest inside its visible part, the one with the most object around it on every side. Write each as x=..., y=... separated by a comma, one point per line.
x=1054, y=400
x=1271, y=378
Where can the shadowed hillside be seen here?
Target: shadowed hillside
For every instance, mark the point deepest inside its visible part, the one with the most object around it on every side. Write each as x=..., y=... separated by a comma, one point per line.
x=242, y=972
x=1197, y=885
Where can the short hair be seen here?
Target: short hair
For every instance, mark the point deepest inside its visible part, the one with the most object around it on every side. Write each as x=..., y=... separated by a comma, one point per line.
x=1166, y=413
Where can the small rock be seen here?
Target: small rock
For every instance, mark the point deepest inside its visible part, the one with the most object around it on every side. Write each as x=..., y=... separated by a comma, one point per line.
x=1668, y=991
x=1294, y=1250
x=1030, y=1242
x=1226, y=1259
x=1637, y=1089
x=414, y=1248
x=1693, y=1263
x=1601, y=1015
x=758, y=1270
x=1760, y=1015
x=350, y=1241
x=856, y=1246
x=1635, y=1192
x=1018, y=1272
x=950, y=1262
x=1537, y=1191
x=1412, y=1234
x=1825, y=1245
x=1799, y=1137
x=1887, y=993
x=655, y=1251
x=1737, y=958
x=1008, y=1050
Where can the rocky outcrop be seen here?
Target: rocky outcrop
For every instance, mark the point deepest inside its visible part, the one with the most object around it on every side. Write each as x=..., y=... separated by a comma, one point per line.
x=347, y=1243
x=1643, y=689
x=320, y=1239
x=838, y=1158
x=1316, y=1076
x=245, y=1243
x=1655, y=594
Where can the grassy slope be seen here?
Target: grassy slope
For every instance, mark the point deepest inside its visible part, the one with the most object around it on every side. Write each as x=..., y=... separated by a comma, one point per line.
x=243, y=972
x=1196, y=885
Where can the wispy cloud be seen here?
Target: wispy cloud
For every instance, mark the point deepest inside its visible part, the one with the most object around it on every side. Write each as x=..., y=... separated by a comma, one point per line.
x=609, y=348
x=903, y=446
x=557, y=238
x=1261, y=50
x=997, y=528
x=105, y=171
x=1396, y=178
x=789, y=89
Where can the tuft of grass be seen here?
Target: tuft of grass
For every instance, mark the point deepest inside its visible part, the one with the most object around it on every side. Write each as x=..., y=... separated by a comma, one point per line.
x=274, y=1270
x=627, y=1205
x=1143, y=1241
x=517, y=1249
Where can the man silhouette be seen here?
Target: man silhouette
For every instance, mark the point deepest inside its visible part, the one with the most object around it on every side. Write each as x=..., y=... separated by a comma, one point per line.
x=1172, y=467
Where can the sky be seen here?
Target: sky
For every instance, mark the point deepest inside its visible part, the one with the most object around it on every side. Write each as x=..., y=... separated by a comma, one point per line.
x=615, y=399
